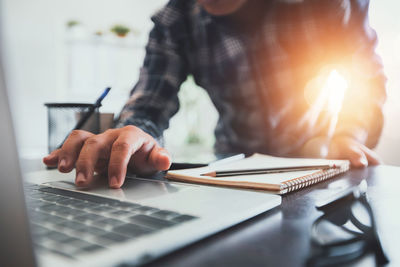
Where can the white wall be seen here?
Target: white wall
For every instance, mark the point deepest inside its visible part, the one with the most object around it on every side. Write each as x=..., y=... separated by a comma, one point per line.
x=36, y=57
x=384, y=18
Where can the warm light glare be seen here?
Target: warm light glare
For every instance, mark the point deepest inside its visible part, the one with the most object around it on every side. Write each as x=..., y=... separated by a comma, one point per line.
x=326, y=92
x=335, y=88
x=325, y=95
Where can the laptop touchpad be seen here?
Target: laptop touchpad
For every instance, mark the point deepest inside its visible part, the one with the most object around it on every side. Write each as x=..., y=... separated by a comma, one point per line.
x=133, y=188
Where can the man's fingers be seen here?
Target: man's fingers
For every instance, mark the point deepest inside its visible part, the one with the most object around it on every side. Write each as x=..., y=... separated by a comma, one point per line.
x=372, y=156
x=358, y=154
x=350, y=152
x=149, y=159
x=115, y=149
x=122, y=149
x=70, y=150
x=139, y=162
x=357, y=157
x=85, y=165
x=160, y=158
x=51, y=160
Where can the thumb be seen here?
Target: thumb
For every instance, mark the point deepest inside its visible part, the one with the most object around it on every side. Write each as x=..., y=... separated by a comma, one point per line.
x=160, y=159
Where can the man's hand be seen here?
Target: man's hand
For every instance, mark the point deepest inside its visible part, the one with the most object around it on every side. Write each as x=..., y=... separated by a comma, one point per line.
x=113, y=151
x=344, y=147
x=340, y=147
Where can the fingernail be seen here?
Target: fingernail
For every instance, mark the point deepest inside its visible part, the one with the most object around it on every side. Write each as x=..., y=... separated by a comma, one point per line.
x=63, y=163
x=164, y=153
x=114, y=182
x=80, y=178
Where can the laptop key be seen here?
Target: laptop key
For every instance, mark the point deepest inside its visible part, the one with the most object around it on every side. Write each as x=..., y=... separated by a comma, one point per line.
x=94, y=231
x=84, y=205
x=43, y=206
x=165, y=214
x=63, y=209
x=70, y=225
x=35, y=202
x=53, y=220
x=90, y=248
x=69, y=201
x=89, y=217
x=124, y=205
x=109, y=222
x=31, y=186
x=38, y=216
x=146, y=209
x=183, y=218
x=76, y=213
x=35, y=195
x=39, y=230
x=49, y=208
x=132, y=230
x=98, y=208
x=50, y=197
x=56, y=236
x=150, y=222
x=121, y=213
x=70, y=213
x=110, y=238
x=71, y=240
x=78, y=243
x=60, y=252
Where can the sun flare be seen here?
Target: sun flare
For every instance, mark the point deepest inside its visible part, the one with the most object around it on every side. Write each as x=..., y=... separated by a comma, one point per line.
x=326, y=92
x=335, y=88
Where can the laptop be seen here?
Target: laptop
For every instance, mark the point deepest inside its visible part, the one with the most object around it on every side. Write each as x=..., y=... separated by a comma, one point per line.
x=46, y=221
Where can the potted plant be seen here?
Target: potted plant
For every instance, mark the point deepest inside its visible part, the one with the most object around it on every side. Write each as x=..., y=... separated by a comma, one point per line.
x=72, y=23
x=120, y=30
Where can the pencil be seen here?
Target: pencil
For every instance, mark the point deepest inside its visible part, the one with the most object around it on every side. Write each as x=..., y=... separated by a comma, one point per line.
x=89, y=113
x=267, y=170
x=91, y=109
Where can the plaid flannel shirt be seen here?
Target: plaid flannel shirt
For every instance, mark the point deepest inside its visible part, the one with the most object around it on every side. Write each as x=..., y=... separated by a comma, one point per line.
x=258, y=79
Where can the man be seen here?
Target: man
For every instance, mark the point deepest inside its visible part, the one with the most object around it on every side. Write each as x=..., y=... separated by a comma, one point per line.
x=257, y=60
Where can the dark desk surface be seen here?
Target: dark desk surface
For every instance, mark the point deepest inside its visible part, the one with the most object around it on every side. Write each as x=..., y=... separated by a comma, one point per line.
x=280, y=237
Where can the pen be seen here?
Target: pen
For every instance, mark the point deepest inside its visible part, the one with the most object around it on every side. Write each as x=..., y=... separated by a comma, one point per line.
x=89, y=113
x=92, y=108
x=266, y=170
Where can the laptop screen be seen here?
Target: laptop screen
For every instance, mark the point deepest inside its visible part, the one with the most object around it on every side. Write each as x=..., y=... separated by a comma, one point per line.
x=16, y=247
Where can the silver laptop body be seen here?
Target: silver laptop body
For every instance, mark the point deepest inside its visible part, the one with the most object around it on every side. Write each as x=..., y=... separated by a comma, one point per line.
x=103, y=227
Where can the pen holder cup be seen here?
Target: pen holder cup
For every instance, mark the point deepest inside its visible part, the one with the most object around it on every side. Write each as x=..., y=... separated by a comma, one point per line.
x=62, y=119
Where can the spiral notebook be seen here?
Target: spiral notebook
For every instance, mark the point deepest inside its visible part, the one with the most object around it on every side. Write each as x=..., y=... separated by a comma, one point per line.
x=279, y=183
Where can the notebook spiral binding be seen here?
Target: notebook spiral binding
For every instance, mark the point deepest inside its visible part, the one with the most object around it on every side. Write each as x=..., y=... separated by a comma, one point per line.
x=317, y=177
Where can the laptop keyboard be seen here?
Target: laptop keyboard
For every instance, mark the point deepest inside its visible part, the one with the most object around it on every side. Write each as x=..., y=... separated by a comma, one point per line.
x=71, y=223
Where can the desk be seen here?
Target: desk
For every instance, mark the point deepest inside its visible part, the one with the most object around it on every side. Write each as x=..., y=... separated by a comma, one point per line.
x=280, y=237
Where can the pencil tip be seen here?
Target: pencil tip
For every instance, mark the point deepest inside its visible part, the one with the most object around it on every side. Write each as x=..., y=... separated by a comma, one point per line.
x=211, y=174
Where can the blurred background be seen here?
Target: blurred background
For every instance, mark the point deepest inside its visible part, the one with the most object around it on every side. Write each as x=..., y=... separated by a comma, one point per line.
x=69, y=51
